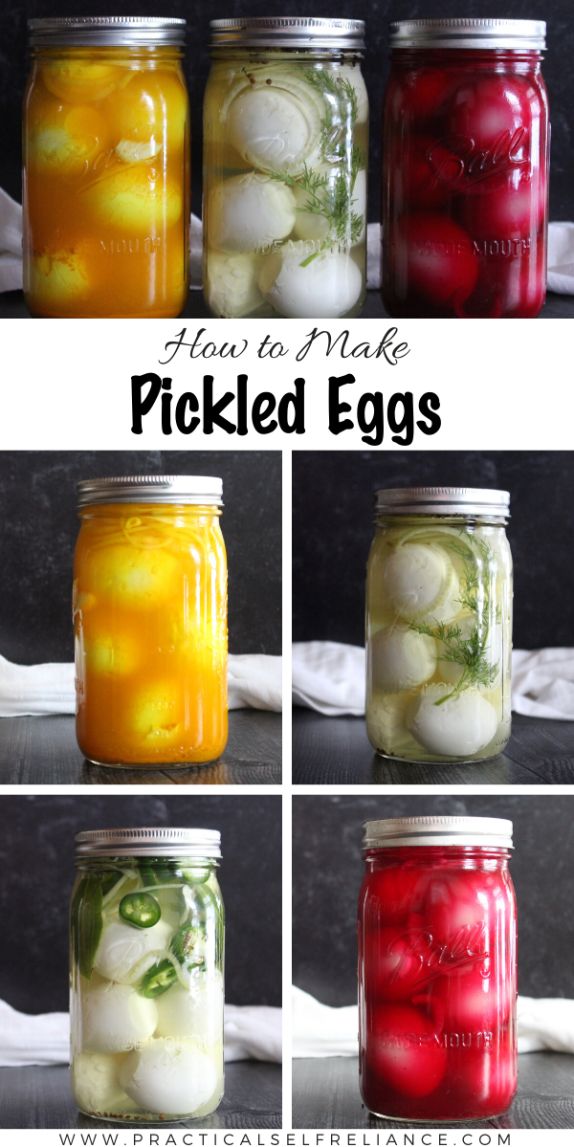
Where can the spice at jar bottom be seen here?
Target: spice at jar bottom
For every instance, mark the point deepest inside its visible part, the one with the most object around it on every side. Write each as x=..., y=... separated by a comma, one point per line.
x=150, y=621
x=437, y=969
x=146, y=998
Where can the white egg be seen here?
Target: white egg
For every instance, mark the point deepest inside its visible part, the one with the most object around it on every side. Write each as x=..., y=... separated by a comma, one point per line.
x=451, y=672
x=401, y=659
x=354, y=75
x=420, y=582
x=95, y=1082
x=124, y=953
x=169, y=1077
x=274, y=128
x=193, y=1014
x=310, y=225
x=231, y=284
x=386, y=721
x=116, y=1018
x=299, y=283
x=249, y=213
x=459, y=727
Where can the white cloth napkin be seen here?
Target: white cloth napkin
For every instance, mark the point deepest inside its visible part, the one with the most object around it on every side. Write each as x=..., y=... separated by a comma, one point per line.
x=330, y=678
x=319, y=1030
x=560, y=252
x=254, y=682
x=249, y=1033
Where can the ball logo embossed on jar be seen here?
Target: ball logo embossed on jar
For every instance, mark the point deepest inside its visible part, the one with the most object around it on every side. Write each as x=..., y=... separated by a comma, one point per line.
x=465, y=161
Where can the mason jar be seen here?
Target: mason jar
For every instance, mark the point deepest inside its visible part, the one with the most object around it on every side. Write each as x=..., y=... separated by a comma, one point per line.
x=146, y=981
x=150, y=621
x=437, y=969
x=106, y=168
x=439, y=624
x=465, y=169
x=285, y=168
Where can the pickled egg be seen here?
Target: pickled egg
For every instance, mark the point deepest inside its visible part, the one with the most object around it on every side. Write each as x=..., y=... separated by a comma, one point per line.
x=151, y=111
x=156, y=714
x=95, y=1082
x=195, y=1013
x=386, y=720
x=135, y=198
x=78, y=81
x=396, y=968
x=132, y=151
x=231, y=284
x=249, y=212
x=309, y=225
x=301, y=282
x=459, y=727
x=66, y=141
x=124, y=953
x=401, y=658
x=116, y=1018
x=420, y=581
x=115, y=655
x=396, y=893
x=57, y=278
x=133, y=577
x=169, y=1077
x=440, y=266
x=477, y=1000
x=403, y=1052
x=274, y=128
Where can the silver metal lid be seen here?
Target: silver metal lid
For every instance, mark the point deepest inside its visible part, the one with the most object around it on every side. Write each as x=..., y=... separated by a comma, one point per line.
x=288, y=32
x=448, y=500
x=419, y=831
x=186, y=489
x=522, y=35
x=197, y=842
x=107, y=31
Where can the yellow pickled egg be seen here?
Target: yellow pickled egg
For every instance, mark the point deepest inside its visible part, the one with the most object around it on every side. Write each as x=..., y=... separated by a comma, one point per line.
x=115, y=655
x=169, y=1077
x=231, y=285
x=152, y=108
x=58, y=278
x=135, y=198
x=67, y=141
x=79, y=82
x=116, y=1018
x=95, y=1082
x=132, y=577
x=156, y=714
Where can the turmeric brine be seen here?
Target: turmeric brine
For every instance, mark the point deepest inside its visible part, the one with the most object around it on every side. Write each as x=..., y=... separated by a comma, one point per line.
x=150, y=621
x=106, y=168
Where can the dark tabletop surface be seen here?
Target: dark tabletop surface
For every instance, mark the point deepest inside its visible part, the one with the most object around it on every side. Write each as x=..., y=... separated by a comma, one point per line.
x=326, y=1094
x=12, y=306
x=41, y=1097
x=43, y=750
x=335, y=750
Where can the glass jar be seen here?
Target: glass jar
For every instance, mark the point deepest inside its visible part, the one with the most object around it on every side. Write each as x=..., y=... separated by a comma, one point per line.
x=437, y=969
x=106, y=168
x=285, y=169
x=439, y=625
x=465, y=169
x=146, y=982
x=150, y=621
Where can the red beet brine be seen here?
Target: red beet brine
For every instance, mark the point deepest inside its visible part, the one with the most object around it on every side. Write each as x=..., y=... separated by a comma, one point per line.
x=437, y=969
x=465, y=170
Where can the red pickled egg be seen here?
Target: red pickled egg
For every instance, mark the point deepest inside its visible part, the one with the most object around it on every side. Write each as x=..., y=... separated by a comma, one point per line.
x=395, y=965
x=404, y=1051
x=423, y=95
x=477, y=1000
x=460, y=908
x=512, y=211
x=393, y=893
x=440, y=263
x=487, y=109
x=426, y=175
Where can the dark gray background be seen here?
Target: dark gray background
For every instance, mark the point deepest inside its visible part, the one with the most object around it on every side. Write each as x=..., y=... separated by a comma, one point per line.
x=39, y=525
x=557, y=68
x=333, y=527
x=327, y=874
x=37, y=862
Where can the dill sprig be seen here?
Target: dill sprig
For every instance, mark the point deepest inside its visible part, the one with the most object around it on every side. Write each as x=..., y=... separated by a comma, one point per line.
x=468, y=652
x=330, y=194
